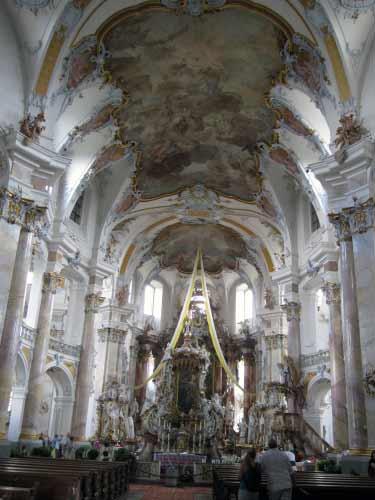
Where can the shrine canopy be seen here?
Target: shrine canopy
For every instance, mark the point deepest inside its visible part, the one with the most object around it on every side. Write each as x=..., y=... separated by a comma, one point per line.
x=197, y=274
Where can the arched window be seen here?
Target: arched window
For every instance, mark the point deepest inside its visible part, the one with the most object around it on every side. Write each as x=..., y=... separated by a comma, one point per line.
x=153, y=299
x=244, y=304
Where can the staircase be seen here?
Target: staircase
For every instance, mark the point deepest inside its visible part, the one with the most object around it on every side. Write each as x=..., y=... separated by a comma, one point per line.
x=293, y=427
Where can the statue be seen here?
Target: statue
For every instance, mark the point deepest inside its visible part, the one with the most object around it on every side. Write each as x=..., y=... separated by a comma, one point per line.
x=251, y=428
x=31, y=128
x=349, y=132
x=122, y=295
x=242, y=428
x=269, y=300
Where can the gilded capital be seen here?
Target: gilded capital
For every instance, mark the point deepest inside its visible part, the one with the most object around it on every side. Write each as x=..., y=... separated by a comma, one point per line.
x=292, y=310
x=18, y=210
x=92, y=302
x=353, y=220
x=332, y=292
x=52, y=281
x=341, y=224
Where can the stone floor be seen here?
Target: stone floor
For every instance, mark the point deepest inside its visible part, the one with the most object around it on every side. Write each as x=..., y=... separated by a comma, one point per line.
x=156, y=492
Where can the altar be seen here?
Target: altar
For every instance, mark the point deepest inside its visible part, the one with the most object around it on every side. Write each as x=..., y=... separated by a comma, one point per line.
x=166, y=459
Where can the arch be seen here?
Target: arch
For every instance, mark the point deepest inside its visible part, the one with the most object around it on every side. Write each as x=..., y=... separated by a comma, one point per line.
x=60, y=413
x=319, y=411
x=61, y=378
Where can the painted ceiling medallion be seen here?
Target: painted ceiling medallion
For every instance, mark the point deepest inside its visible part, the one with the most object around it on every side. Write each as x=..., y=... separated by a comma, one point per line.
x=221, y=246
x=35, y=5
x=193, y=7
x=196, y=97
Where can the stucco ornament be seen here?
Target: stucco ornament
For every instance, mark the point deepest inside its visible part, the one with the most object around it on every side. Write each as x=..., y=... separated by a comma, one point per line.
x=32, y=128
x=199, y=205
x=35, y=5
x=81, y=69
x=354, y=8
x=349, y=132
x=306, y=67
x=193, y=7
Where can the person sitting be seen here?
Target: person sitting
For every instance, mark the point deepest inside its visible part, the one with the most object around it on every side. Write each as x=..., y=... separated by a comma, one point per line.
x=280, y=476
x=250, y=476
x=371, y=465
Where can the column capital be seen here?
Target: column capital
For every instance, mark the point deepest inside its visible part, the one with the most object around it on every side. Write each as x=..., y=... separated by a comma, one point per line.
x=92, y=302
x=114, y=335
x=292, y=310
x=52, y=281
x=353, y=220
x=332, y=292
x=21, y=211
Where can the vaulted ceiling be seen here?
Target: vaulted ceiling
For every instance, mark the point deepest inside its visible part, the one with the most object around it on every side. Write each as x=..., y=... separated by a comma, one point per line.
x=184, y=122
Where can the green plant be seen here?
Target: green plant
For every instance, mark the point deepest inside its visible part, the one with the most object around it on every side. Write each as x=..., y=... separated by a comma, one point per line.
x=81, y=451
x=92, y=454
x=41, y=451
x=122, y=454
x=329, y=466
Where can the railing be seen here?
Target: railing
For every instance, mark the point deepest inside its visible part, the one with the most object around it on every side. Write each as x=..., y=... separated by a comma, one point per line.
x=315, y=359
x=70, y=350
x=27, y=333
x=294, y=424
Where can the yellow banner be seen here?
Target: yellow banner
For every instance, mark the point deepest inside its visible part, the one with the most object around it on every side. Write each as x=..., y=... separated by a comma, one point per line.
x=212, y=329
x=180, y=323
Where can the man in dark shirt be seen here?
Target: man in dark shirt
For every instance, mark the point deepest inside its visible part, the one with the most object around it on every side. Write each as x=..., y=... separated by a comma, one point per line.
x=276, y=465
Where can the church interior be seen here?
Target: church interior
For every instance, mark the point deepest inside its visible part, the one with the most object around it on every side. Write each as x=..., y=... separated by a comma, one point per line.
x=187, y=242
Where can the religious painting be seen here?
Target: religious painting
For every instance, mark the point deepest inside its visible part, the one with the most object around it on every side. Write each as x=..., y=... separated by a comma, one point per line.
x=281, y=155
x=81, y=63
x=108, y=155
x=176, y=246
x=96, y=122
x=196, y=96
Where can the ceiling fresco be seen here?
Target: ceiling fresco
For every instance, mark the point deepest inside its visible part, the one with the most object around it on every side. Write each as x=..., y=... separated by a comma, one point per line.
x=196, y=97
x=176, y=246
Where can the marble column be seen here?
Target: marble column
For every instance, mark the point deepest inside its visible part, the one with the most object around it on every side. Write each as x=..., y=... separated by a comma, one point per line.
x=12, y=324
x=218, y=378
x=132, y=367
x=293, y=312
x=85, y=368
x=249, y=378
x=338, y=385
x=355, y=393
x=142, y=372
x=51, y=281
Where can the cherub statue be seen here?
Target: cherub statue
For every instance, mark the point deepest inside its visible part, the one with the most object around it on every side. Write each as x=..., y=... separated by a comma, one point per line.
x=349, y=132
x=31, y=128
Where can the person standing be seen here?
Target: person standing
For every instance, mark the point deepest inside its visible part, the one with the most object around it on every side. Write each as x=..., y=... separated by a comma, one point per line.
x=280, y=476
x=250, y=476
x=371, y=466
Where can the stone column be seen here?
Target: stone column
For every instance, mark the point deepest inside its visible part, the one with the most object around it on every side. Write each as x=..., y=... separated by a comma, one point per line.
x=355, y=394
x=338, y=385
x=142, y=372
x=85, y=368
x=293, y=312
x=218, y=378
x=12, y=324
x=51, y=281
x=132, y=367
x=248, y=382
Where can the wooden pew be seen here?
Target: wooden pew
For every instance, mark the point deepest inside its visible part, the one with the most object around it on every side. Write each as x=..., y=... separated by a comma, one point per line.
x=109, y=479
x=308, y=484
x=16, y=493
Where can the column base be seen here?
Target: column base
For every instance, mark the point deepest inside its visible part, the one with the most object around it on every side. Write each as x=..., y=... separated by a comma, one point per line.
x=355, y=463
x=5, y=448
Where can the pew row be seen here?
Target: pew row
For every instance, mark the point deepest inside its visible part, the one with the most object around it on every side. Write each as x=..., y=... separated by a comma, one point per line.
x=63, y=479
x=308, y=485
